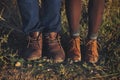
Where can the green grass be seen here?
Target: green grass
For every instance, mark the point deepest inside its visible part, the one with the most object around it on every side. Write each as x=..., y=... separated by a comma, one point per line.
x=13, y=67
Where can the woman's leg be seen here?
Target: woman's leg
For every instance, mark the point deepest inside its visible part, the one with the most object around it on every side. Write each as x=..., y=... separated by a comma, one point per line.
x=95, y=12
x=73, y=11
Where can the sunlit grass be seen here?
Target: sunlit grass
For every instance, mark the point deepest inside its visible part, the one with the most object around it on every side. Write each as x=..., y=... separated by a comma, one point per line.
x=13, y=67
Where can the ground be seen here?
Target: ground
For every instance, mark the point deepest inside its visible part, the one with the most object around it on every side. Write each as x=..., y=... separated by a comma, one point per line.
x=12, y=41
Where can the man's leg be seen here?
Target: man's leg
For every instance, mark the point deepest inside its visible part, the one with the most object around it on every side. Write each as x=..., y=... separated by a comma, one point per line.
x=73, y=11
x=51, y=21
x=29, y=10
x=51, y=15
x=95, y=12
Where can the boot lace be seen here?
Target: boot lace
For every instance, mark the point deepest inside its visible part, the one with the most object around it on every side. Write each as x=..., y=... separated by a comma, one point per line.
x=74, y=44
x=34, y=42
x=92, y=46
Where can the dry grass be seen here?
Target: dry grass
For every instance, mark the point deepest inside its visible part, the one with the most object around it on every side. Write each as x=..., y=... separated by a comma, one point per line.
x=12, y=40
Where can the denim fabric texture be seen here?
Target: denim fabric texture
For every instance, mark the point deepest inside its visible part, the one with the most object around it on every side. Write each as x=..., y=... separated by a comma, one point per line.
x=33, y=21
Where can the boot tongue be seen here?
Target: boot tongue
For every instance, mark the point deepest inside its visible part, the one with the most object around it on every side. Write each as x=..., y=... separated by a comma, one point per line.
x=51, y=35
x=34, y=34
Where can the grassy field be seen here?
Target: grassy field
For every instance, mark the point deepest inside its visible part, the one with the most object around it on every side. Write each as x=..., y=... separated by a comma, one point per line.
x=12, y=40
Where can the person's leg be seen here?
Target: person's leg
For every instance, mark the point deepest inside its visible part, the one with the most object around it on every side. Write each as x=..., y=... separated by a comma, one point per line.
x=51, y=15
x=29, y=10
x=73, y=11
x=51, y=21
x=95, y=12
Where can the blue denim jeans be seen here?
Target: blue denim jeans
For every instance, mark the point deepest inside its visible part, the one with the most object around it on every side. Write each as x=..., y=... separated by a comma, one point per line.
x=32, y=21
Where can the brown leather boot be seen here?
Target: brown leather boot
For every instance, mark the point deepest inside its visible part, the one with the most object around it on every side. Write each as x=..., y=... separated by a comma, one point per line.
x=74, y=51
x=34, y=48
x=53, y=48
x=91, y=51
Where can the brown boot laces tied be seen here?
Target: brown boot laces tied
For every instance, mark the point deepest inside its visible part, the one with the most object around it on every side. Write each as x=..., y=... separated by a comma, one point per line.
x=34, y=42
x=72, y=41
x=56, y=39
x=93, y=45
